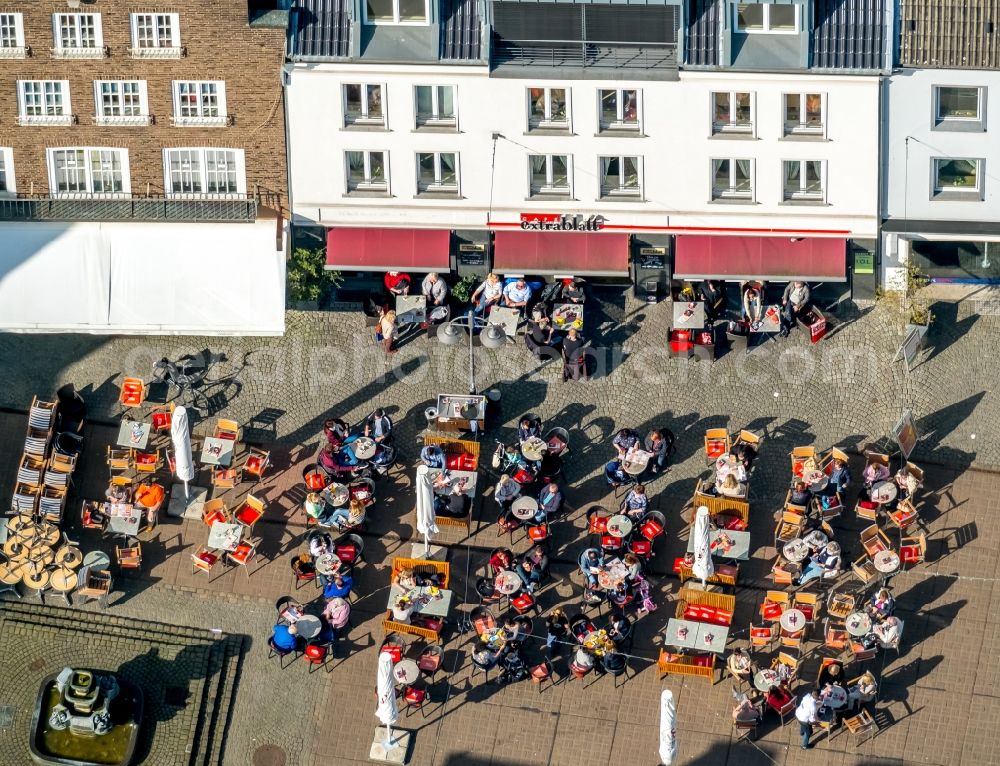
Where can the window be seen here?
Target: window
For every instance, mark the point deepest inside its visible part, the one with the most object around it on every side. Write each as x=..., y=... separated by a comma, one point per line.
x=437, y=172
x=435, y=105
x=959, y=108
x=78, y=35
x=156, y=34
x=204, y=172
x=549, y=174
x=732, y=179
x=754, y=18
x=121, y=102
x=620, y=177
x=396, y=12
x=619, y=109
x=363, y=105
x=548, y=108
x=804, y=114
x=43, y=102
x=12, y=36
x=804, y=180
x=7, y=185
x=957, y=177
x=200, y=103
x=83, y=170
x=732, y=112
x=366, y=172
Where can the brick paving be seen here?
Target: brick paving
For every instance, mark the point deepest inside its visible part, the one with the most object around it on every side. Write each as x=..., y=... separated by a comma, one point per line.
x=937, y=694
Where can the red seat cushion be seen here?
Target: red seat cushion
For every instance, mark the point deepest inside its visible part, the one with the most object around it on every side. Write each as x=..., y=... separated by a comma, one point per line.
x=523, y=477
x=598, y=525
x=910, y=553
x=868, y=505
x=770, y=610
x=806, y=609
x=538, y=534
x=415, y=696
x=394, y=651
x=762, y=633
x=347, y=553
x=315, y=480
x=215, y=516
x=641, y=547
x=208, y=558
x=242, y=552
x=610, y=541
x=161, y=420
x=715, y=448
x=315, y=652
x=145, y=458
x=248, y=515
x=703, y=660
x=254, y=464
x=651, y=529
x=678, y=563
x=736, y=524
x=523, y=602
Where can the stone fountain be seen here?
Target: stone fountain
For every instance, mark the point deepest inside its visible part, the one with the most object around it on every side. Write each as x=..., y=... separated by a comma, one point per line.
x=85, y=718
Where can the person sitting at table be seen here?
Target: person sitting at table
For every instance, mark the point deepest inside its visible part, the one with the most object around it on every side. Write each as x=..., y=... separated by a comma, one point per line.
x=874, y=473
x=624, y=440
x=826, y=563
x=550, y=501
x=840, y=478
x=745, y=711
x=337, y=613
x=516, y=294
x=529, y=428
x=591, y=560
x=150, y=497
x=406, y=579
x=713, y=293
x=378, y=426
x=633, y=566
x=530, y=575
x=619, y=626
x=487, y=294
x=740, y=665
x=906, y=486
x=506, y=491
x=333, y=460
x=830, y=673
x=540, y=338
x=731, y=487
x=556, y=629
x=574, y=359
x=777, y=697
x=397, y=282
x=635, y=503
x=501, y=560
x=794, y=303
x=434, y=289
x=315, y=508
x=336, y=431
x=512, y=461
x=432, y=456
x=800, y=494
x=657, y=445
x=728, y=464
x=615, y=474
x=320, y=543
x=512, y=665
x=118, y=493
x=889, y=631
x=285, y=638
x=881, y=605
x=744, y=454
x=753, y=307
x=619, y=597
x=348, y=517
x=455, y=504
x=339, y=586
x=863, y=691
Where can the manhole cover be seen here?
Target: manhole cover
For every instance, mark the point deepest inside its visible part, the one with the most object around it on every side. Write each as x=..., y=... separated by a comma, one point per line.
x=6, y=716
x=269, y=755
x=175, y=696
x=37, y=664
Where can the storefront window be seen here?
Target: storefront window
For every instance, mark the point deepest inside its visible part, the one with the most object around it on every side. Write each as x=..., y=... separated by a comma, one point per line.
x=957, y=261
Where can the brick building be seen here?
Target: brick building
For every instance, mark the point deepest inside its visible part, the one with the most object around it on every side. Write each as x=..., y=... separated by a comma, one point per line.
x=152, y=136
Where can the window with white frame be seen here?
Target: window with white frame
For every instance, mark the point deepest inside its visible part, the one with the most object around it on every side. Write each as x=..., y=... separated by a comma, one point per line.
x=43, y=102
x=753, y=18
x=959, y=106
x=732, y=112
x=363, y=104
x=732, y=179
x=8, y=187
x=548, y=108
x=437, y=172
x=804, y=114
x=77, y=34
x=200, y=102
x=955, y=177
x=804, y=180
x=156, y=34
x=435, y=105
x=549, y=174
x=366, y=172
x=121, y=102
x=397, y=12
x=619, y=109
x=88, y=170
x=12, y=36
x=621, y=176
x=204, y=171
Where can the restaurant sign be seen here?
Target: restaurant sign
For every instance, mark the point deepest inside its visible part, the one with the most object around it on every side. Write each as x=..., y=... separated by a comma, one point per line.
x=561, y=222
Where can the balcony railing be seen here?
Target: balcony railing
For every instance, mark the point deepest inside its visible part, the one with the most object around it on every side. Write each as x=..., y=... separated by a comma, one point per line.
x=99, y=52
x=163, y=52
x=47, y=119
x=16, y=52
x=135, y=208
x=585, y=55
x=216, y=121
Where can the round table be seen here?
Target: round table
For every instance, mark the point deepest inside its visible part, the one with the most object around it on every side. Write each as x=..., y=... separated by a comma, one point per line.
x=39, y=558
x=49, y=533
x=858, y=624
x=69, y=557
x=817, y=481
x=328, y=564
x=816, y=539
x=607, y=580
x=405, y=672
x=635, y=467
x=97, y=560
x=619, y=526
x=835, y=698
x=308, y=626
x=10, y=572
x=508, y=583
x=63, y=580
x=337, y=494
x=533, y=449
x=25, y=533
x=795, y=550
x=765, y=679
x=15, y=550
x=21, y=520
x=884, y=492
x=37, y=581
x=792, y=620
x=364, y=448
x=886, y=562
x=524, y=508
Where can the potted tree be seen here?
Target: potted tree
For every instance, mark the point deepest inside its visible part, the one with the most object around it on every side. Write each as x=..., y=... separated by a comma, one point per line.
x=308, y=278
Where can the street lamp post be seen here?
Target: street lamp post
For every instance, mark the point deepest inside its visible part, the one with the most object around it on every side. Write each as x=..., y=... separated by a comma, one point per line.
x=491, y=336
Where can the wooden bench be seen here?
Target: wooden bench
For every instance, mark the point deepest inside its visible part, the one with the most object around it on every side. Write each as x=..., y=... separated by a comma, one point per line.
x=422, y=567
x=451, y=446
x=684, y=665
x=691, y=596
x=718, y=578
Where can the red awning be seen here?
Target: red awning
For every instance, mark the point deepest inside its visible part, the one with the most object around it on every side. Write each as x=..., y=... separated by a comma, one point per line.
x=582, y=254
x=781, y=259
x=388, y=249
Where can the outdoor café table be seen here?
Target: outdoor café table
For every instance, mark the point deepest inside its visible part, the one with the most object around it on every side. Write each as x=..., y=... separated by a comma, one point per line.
x=792, y=620
x=455, y=481
x=410, y=309
x=619, y=526
x=328, y=564
x=816, y=539
x=795, y=550
x=133, y=434
x=10, y=572
x=599, y=643
x=336, y=495
x=858, y=624
x=884, y=492
x=308, y=626
x=364, y=448
x=16, y=550
x=123, y=519
x=739, y=550
x=886, y=562
x=711, y=638
x=35, y=580
x=424, y=602
x=63, y=580
x=765, y=679
x=638, y=463
x=608, y=580
x=97, y=560
x=524, y=508
x=689, y=315
x=675, y=637
x=69, y=557
x=835, y=697
x=534, y=448
x=223, y=536
x=405, y=671
x=817, y=481
x=508, y=583
x=770, y=324
x=217, y=451
x=507, y=318
x=567, y=316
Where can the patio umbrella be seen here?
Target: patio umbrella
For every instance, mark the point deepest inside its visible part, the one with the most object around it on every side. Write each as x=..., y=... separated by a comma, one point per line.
x=426, y=521
x=668, y=728
x=180, y=435
x=386, y=711
x=703, y=567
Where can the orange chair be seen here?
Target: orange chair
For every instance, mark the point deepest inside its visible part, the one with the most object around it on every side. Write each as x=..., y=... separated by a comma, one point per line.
x=316, y=655
x=913, y=550
x=761, y=636
x=146, y=462
x=541, y=673
x=129, y=558
x=226, y=478
x=227, y=429
x=133, y=393
x=162, y=417
x=256, y=463
x=243, y=555
x=250, y=512
x=213, y=511
x=203, y=560
x=835, y=636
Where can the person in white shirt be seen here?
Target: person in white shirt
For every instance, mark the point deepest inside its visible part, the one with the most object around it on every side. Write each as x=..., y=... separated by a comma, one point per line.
x=434, y=289
x=517, y=294
x=488, y=293
x=807, y=714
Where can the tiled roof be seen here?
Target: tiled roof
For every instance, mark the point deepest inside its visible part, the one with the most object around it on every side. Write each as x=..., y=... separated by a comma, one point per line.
x=461, y=30
x=701, y=42
x=320, y=28
x=849, y=34
x=959, y=34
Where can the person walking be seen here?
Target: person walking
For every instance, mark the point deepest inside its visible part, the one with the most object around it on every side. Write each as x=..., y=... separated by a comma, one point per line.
x=386, y=331
x=807, y=714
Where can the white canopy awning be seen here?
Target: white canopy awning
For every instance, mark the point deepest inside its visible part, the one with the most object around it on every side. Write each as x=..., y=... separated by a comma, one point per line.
x=142, y=278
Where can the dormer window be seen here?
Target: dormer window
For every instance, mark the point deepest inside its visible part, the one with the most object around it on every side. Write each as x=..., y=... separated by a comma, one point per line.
x=766, y=18
x=397, y=12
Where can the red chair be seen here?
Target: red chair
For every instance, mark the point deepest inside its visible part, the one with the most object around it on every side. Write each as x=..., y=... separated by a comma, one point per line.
x=395, y=651
x=540, y=674
x=250, y=513
x=133, y=393
x=597, y=521
x=257, y=462
x=652, y=525
x=538, y=533
x=315, y=481
x=641, y=548
x=243, y=555
x=430, y=660
x=213, y=511
x=414, y=698
x=316, y=654
x=610, y=543
x=203, y=560
x=523, y=603
x=162, y=417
